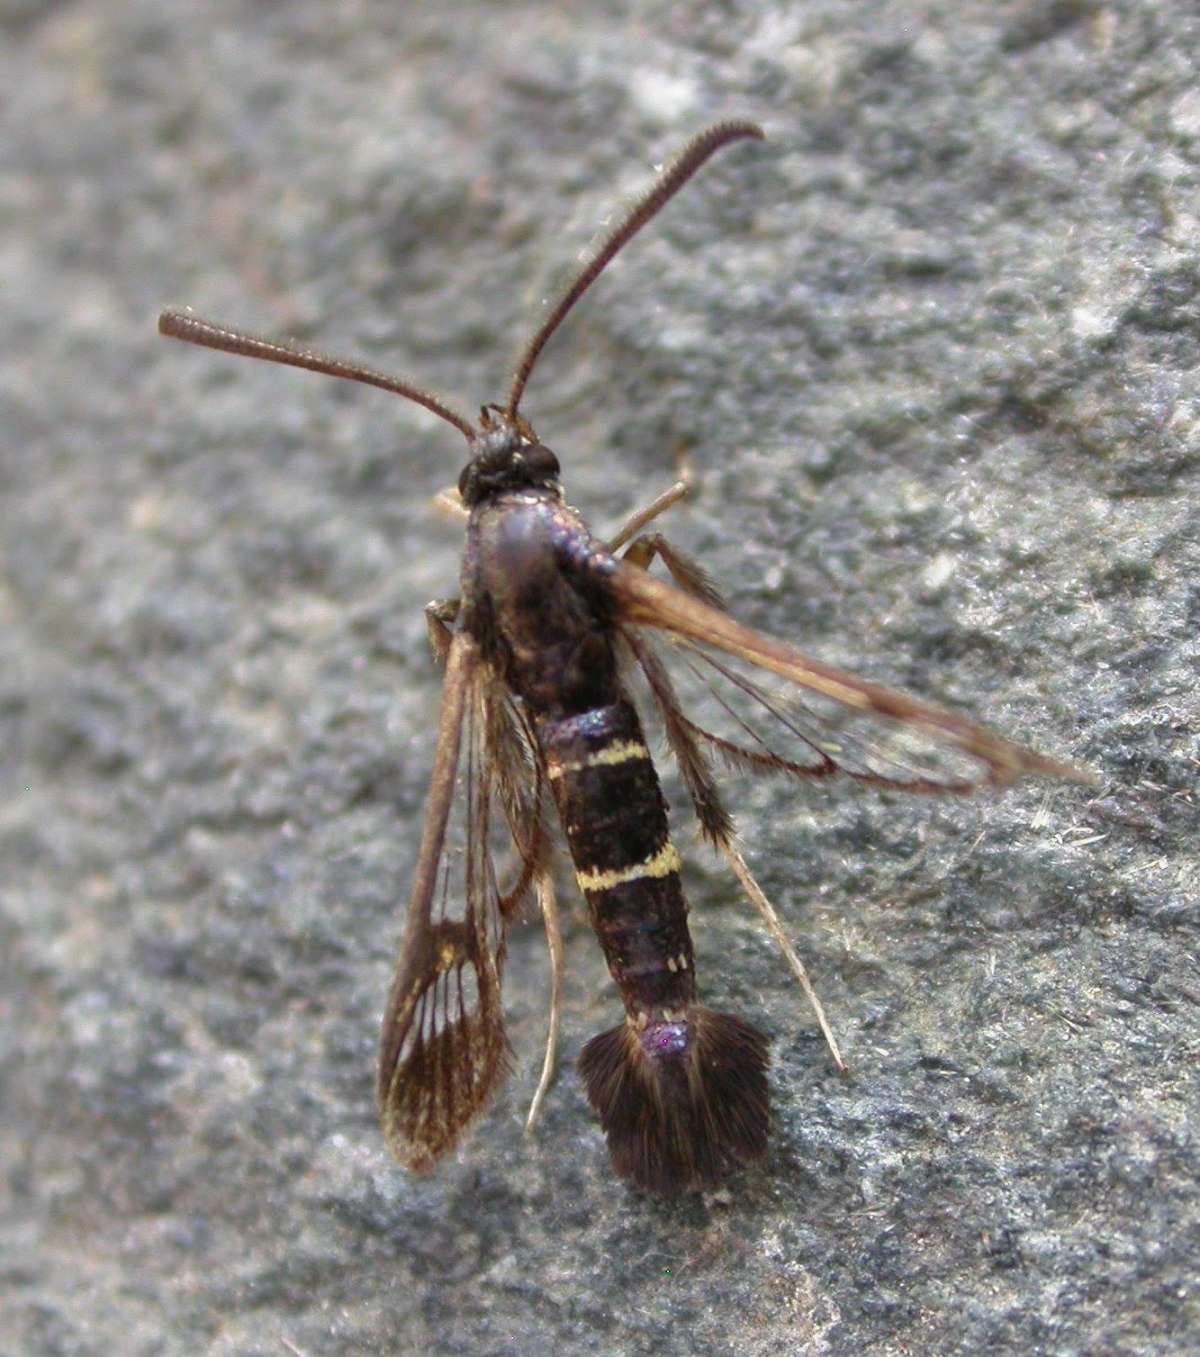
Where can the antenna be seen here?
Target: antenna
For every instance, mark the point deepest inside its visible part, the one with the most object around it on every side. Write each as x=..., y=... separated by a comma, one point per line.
x=183, y=324
x=665, y=187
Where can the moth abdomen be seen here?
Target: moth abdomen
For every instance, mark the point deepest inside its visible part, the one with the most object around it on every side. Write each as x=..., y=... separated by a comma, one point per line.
x=615, y=820
x=680, y=1091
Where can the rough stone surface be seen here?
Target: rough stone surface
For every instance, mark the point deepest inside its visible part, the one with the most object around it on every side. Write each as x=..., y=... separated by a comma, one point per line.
x=933, y=348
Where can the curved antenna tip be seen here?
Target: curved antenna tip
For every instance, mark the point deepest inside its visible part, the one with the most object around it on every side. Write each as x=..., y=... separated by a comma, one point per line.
x=668, y=183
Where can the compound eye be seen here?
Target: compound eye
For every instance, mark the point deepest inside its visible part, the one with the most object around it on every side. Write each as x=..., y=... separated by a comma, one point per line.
x=541, y=461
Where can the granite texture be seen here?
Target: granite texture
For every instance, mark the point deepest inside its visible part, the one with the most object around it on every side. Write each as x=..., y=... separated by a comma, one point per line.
x=933, y=350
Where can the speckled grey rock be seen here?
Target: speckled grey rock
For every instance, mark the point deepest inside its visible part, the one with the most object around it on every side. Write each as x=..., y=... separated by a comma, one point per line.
x=933, y=349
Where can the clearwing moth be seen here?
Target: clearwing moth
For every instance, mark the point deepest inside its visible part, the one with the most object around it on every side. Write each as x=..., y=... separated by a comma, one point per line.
x=538, y=650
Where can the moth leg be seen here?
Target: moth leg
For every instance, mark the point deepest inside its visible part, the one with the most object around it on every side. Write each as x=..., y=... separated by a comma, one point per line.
x=690, y=575
x=549, y=904
x=658, y=505
x=449, y=503
x=439, y=621
x=760, y=902
x=716, y=824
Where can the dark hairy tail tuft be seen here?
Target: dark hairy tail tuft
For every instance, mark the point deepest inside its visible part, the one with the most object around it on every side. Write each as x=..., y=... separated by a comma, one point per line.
x=680, y=1102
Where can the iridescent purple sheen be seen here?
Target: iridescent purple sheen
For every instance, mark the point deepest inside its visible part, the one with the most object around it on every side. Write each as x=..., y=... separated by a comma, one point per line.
x=666, y=1038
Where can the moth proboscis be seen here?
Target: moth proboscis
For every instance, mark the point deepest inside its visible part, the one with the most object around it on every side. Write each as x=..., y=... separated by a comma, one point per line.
x=535, y=708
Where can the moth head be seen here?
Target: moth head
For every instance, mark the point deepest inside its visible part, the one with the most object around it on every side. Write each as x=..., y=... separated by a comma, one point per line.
x=506, y=456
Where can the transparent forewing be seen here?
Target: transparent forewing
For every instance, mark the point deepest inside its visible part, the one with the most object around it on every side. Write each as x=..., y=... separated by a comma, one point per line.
x=518, y=835
x=757, y=722
x=443, y=1049
x=774, y=707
